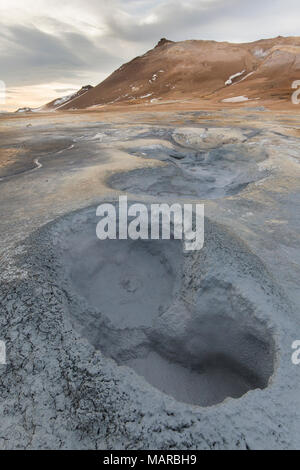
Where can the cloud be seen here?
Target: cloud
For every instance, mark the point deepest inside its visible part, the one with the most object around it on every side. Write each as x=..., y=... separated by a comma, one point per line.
x=29, y=55
x=172, y=18
x=227, y=20
x=65, y=90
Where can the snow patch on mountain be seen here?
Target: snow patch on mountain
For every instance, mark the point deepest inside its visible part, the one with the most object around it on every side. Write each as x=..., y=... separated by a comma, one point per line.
x=235, y=99
x=232, y=77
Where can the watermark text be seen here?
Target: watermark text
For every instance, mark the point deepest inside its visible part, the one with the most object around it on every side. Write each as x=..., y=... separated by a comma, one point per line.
x=296, y=94
x=163, y=221
x=2, y=352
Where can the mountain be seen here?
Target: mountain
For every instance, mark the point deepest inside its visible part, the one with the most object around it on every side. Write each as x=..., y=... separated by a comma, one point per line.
x=217, y=72
x=68, y=99
x=260, y=72
x=58, y=102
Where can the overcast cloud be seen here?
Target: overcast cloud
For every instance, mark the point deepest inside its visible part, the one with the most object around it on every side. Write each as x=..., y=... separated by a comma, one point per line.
x=45, y=43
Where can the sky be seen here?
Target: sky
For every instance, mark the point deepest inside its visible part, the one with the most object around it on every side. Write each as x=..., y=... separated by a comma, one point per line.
x=50, y=48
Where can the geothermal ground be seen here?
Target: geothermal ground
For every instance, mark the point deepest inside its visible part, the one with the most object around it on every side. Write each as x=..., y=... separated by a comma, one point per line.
x=137, y=344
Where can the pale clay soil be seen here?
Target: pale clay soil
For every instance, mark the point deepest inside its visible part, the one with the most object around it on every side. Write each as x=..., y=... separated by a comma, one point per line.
x=140, y=345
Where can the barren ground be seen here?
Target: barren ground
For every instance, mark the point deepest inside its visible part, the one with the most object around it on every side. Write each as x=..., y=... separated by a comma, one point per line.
x=139, y=345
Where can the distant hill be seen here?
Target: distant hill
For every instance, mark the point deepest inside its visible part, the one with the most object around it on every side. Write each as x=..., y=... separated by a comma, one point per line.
x=58, y=102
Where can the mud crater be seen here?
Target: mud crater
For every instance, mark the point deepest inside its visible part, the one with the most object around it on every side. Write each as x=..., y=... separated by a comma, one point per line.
x=129, y=281
x=206, y=172
x=180, y=320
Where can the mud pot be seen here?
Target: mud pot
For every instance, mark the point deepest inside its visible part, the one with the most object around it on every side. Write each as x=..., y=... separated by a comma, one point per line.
x=192, y=324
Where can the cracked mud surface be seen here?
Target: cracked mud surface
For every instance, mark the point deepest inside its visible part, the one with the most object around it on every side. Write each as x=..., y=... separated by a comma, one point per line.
x=81, y=373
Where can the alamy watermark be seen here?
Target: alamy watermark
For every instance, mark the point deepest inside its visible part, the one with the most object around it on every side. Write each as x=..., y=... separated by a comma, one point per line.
x=2, y=92
x=296, y=94
x=155, y=221
x=296, y=354
x=2, y=352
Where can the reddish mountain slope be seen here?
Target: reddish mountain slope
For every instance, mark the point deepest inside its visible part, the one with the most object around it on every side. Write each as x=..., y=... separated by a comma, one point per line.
x=209, y=70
